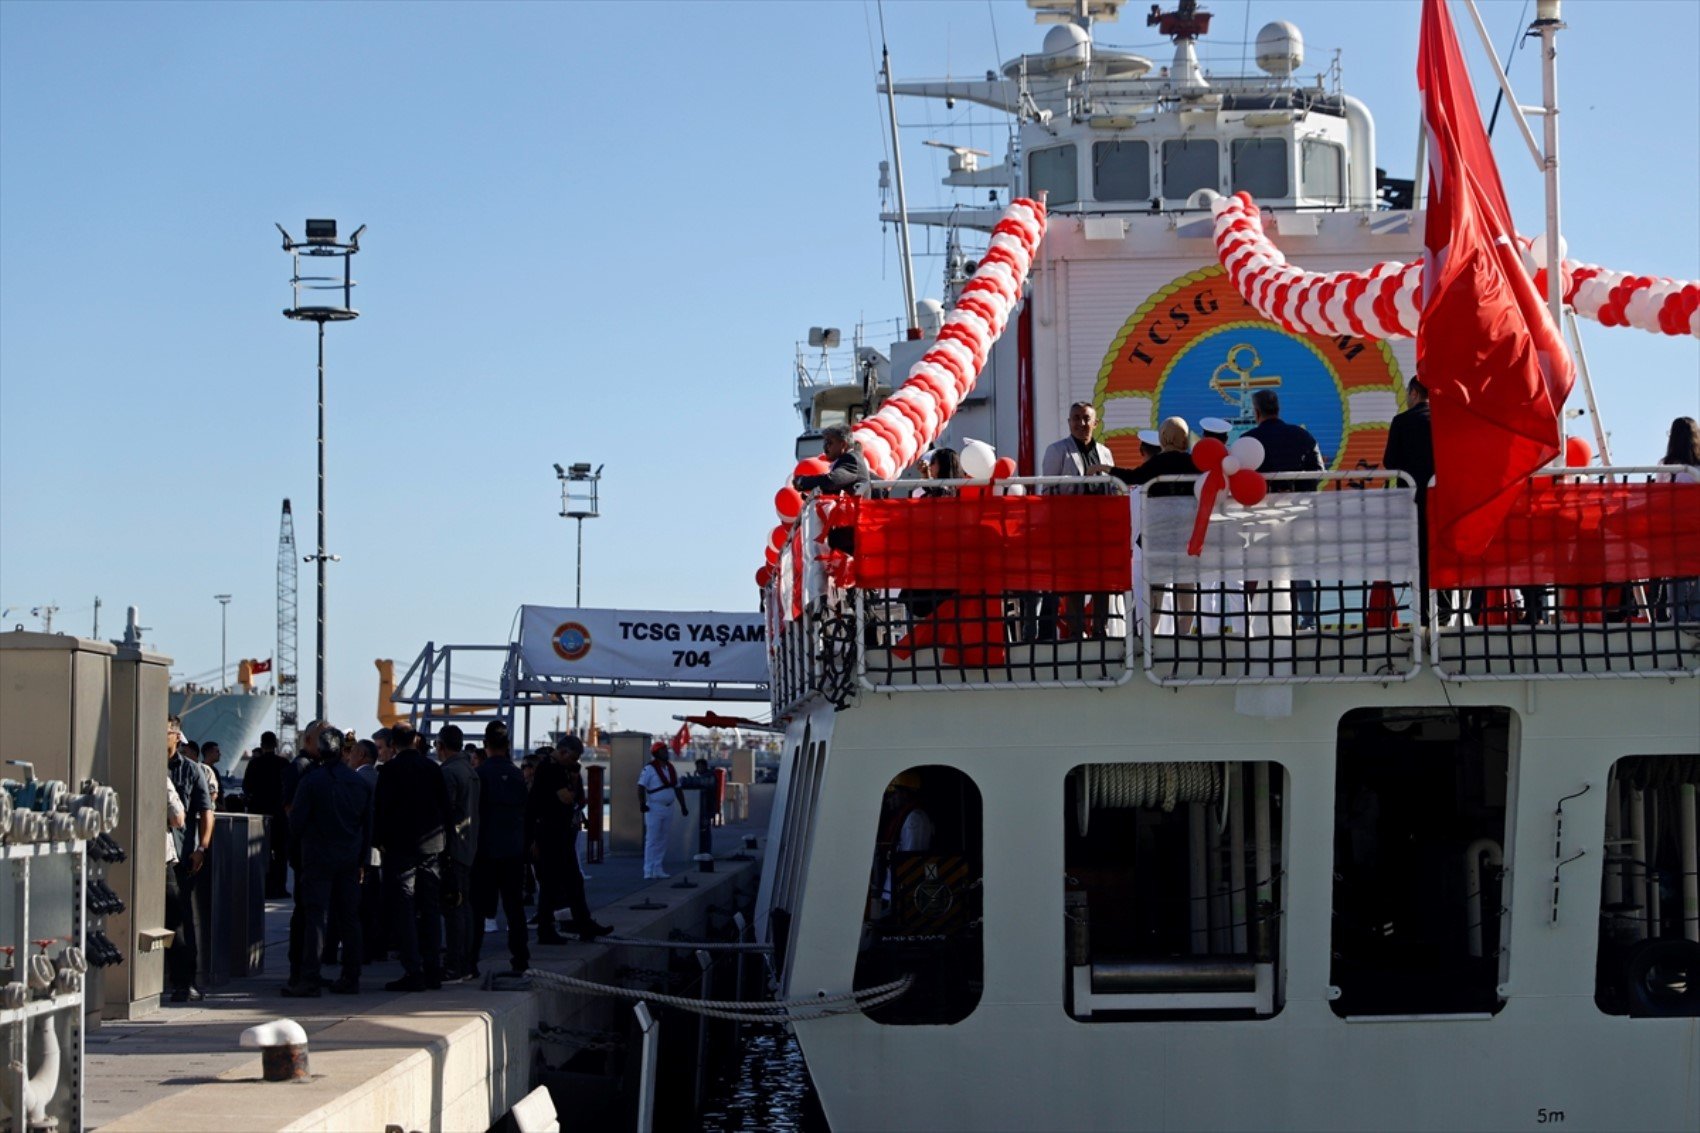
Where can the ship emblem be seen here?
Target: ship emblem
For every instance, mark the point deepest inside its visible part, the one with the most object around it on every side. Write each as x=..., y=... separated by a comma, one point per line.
x=1195, y=349
x=571, y=641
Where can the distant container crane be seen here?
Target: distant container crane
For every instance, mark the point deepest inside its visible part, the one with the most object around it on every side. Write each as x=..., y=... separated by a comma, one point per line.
x=287, y=561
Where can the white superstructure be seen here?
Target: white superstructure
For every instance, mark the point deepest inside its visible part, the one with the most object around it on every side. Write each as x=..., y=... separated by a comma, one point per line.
x=1263, y=875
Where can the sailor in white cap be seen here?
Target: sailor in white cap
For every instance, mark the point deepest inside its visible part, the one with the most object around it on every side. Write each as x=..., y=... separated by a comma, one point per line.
x=1150, y=443
x=1215, y=428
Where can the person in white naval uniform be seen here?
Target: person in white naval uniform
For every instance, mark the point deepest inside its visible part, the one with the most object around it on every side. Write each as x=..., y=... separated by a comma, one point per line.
x=658, y=794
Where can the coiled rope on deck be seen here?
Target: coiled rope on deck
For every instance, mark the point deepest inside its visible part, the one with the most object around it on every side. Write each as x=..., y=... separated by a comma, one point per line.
x=1165, y=785
x=774, y=1011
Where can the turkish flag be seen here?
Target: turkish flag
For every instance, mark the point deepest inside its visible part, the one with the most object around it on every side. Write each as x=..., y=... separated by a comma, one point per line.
x=681, y=738
x=259, y=667
x=1495, y=366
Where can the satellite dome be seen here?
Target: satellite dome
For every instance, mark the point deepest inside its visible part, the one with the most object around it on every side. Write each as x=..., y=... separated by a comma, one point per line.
x=1280, y=48
x=1067, y=45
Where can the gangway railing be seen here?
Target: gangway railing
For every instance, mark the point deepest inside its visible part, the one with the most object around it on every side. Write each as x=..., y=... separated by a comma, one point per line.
x=1307, y=586
x=1595, y=574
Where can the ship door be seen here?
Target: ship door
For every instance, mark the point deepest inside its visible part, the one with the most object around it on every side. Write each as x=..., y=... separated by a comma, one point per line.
x=1419, y=862
x=922, y=917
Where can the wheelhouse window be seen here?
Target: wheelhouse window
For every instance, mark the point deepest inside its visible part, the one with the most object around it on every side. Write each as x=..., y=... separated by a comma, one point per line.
x=1173, y=890
x=1121, y=171
x=1190, y=164
x=1649, y=952
x=1259, y=167
x=1056, y=171
x=1419, y=861
x=1323, y=170
x=922, y=916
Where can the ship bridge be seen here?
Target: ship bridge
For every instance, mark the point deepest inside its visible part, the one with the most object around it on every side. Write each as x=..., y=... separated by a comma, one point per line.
x=1104, y=130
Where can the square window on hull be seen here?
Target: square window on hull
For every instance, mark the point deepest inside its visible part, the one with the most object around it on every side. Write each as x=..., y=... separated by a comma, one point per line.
x=1419, y=862
x=1173, y=890
x=1649, y=951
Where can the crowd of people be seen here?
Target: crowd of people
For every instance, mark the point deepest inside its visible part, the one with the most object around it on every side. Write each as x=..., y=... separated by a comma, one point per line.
x=1167, y=452
x=393, y=844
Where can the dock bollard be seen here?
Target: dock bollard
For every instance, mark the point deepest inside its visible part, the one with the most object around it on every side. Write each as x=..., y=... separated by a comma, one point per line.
x=283, y=1049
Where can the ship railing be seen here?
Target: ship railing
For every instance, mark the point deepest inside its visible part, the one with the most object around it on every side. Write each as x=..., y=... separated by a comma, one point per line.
x=1307, y=586
x=1595, y=574
x=1025, y=583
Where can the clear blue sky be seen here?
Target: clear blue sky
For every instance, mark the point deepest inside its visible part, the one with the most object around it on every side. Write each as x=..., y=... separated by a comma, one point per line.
x=596, y=232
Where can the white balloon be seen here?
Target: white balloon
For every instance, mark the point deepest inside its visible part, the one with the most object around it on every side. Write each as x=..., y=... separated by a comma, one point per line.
x=1538, y=250
x=1230, y=465
x=1015, y=489
x=978, y=459
x=1248, y=452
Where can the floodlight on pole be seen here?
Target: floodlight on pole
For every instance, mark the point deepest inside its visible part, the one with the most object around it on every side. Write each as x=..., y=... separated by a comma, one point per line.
x=223, y=601
x=321, y=245
x=580, y=500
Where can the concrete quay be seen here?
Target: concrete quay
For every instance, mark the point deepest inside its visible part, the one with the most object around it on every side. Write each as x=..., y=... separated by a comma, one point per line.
x=455, y=1059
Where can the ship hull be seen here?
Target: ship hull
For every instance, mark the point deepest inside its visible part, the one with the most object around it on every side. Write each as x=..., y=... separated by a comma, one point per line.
x=1021, y=1060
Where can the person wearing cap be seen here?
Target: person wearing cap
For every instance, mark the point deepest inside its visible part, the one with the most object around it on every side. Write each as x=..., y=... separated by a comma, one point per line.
x=905, y=828
x=658, y=791
x=551, y=836
x=1214, y=428
x=1173, y=458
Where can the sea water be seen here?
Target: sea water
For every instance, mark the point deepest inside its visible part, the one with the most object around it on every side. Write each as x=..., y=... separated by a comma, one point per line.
x=767, y=1087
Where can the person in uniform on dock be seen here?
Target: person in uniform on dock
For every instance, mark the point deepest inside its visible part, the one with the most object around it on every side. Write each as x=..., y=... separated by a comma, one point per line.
x=461, y=779
x=498, y=873
x=412, y=824
x=658, y=791
x=192, y=840
x=332, y=814
x=551, y=825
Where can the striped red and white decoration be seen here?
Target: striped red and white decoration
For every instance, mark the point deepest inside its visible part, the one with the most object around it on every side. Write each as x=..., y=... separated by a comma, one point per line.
x=912, y=418
x=1384, y=302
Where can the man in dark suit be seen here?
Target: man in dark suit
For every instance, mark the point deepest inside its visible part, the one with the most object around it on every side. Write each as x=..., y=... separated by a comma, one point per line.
x=1410, y=449
x=412, y=824
x=1288, y=448
x=331, y=824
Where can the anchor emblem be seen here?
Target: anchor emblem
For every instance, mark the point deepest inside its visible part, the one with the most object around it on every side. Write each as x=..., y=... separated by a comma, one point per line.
x=1235, y=380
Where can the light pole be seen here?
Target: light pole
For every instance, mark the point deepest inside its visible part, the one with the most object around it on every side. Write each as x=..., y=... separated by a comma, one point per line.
x=223, y=601
x=579, y=501
x=321, y=243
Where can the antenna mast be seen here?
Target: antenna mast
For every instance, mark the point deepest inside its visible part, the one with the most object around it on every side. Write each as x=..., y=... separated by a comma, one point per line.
x=287, y=561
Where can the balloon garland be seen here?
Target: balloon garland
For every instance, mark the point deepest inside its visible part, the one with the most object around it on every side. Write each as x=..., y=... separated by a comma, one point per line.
x=912, y=418
x=1232, y=468
x=1385, y=302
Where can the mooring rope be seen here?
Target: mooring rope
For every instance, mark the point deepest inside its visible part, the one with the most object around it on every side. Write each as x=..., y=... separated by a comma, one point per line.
x=774, y=1011
x=685, y=945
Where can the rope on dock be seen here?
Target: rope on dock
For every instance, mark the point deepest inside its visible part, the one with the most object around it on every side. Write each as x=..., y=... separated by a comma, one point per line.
x=686, y=945
x=772, y=1011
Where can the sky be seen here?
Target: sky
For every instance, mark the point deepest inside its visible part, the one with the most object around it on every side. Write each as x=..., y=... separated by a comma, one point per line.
x=595, y=232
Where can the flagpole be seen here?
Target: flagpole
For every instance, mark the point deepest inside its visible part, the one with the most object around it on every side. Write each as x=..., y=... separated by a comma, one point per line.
x=1548, y=24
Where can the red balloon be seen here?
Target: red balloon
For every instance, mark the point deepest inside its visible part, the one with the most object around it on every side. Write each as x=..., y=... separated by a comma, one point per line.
x=776, y=537
x=763, y=577
x=771, y=554
x=1004, y=468
x=1247, y=487
x=1578, y=453
x=788, y=502
x=814, y=466
x=1209, y=454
